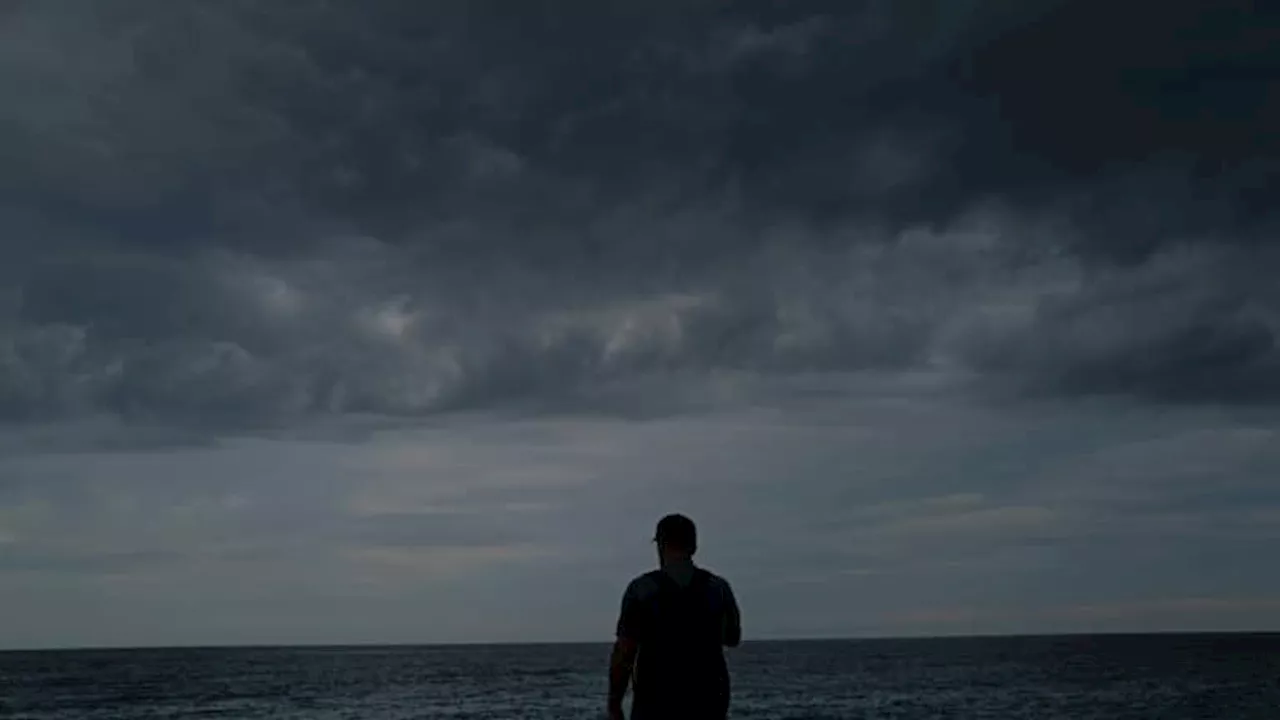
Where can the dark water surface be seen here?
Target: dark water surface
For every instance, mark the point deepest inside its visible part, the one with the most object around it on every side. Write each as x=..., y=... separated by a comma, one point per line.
x=1170, y=677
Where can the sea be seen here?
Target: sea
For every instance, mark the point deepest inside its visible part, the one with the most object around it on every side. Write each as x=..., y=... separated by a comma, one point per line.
x=1156, y=677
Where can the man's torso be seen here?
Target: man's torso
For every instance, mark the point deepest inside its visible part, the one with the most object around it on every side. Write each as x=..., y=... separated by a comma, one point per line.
x=677, y=616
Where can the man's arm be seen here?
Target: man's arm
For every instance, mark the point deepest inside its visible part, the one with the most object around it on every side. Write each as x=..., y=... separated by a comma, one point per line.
x=732, y=622
x=621, y=663
x=622, y=660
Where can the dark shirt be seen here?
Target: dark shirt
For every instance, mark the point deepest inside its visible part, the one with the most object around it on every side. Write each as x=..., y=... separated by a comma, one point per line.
x=680, y=617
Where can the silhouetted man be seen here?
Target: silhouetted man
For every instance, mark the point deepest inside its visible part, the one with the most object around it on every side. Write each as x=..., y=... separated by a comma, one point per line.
x=674, y=624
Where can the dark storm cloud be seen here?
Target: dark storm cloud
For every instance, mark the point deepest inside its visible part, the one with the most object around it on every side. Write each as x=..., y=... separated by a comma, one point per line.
x=1193, y=324
x=173, y=117
x=241, y=214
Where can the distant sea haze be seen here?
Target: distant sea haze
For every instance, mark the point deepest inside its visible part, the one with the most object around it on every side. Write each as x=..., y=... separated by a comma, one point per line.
x=1116, y=677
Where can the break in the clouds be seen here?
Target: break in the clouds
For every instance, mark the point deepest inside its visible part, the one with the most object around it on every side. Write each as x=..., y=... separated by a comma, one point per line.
x=877, y=234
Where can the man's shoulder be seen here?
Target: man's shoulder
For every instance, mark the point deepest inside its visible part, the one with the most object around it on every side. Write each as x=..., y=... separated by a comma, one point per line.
x=650, y=583
x=717, y=581
x=644, y=585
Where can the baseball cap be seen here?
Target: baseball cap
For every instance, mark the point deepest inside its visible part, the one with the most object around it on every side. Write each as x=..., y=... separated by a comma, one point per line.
x=676, y=529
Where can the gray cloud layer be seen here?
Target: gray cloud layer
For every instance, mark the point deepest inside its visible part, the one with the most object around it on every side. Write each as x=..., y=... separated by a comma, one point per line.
x=900, y=510
x=243, y=216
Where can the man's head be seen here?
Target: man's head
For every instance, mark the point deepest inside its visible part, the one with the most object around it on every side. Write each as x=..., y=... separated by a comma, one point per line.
x=676, y=537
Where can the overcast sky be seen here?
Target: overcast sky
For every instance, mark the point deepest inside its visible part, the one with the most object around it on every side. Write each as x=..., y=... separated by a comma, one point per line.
x=395, y=321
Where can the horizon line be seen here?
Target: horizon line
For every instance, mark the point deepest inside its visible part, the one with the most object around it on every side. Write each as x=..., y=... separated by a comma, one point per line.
x=606, y=642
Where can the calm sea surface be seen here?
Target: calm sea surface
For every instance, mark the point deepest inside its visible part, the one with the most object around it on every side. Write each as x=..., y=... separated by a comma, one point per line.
x=1168, y=677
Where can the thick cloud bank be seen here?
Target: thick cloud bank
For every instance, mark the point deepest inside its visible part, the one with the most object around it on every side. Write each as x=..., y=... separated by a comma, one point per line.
x=245, y=215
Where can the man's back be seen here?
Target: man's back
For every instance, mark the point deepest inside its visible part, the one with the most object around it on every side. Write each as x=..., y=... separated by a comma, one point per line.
x=674, y=624
x=680, y=618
